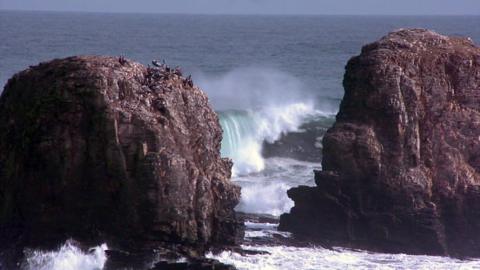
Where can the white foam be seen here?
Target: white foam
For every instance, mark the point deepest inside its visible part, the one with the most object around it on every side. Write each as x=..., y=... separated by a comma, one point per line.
x=266, y=192
x=68, y=257
x=265, y=198
x=263, y=230
x=255, y=225
x=294, y=258
x=253, y=234
x=273, y=121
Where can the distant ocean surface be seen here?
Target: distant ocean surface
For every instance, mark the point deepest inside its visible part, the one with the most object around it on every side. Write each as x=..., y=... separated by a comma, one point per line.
x=266, y=76
x=314, y=49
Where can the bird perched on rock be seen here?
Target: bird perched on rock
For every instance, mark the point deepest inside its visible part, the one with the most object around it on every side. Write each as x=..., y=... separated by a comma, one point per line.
x=188, y=81
x=177, y=71
x=157, y=63
x=122, y=60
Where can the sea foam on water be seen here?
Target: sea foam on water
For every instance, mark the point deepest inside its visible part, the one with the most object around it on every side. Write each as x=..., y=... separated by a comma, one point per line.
x=315, y=258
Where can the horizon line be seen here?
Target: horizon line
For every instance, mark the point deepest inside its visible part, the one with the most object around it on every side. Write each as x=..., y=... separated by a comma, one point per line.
x=229, y=14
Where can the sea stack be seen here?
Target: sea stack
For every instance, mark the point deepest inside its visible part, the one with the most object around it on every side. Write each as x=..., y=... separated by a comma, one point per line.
x=401, y=164
x=106, y=149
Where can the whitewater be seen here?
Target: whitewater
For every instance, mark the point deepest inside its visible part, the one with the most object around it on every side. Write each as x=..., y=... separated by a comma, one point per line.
x=245, y=132
x=314, y=258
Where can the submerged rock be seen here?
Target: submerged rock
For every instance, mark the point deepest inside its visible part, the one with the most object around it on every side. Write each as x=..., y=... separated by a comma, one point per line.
x=106, y=149
x=401, y=165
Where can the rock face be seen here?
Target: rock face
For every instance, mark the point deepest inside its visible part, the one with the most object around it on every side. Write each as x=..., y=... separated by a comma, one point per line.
x=401, y=165
x=105, y=149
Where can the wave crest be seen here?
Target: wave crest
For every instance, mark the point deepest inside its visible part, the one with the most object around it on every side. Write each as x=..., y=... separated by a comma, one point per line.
x=245, y=131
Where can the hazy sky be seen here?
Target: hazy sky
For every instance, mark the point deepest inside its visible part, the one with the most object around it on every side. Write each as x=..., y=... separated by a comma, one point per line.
x=396, y=7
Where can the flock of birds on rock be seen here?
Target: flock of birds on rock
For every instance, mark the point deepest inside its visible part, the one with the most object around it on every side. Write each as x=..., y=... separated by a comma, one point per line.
x=161, y=70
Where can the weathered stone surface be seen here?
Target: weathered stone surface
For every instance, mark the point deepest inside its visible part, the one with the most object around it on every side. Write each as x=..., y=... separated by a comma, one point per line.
x=106, y=149
x=401, y=165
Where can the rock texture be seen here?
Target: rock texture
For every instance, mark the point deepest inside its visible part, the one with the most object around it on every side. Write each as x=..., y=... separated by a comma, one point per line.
x=401, y=165
x=105, y=149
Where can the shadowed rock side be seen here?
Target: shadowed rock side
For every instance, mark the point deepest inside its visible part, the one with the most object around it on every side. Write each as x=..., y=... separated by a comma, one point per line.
x=105, y=149
x=401, y=165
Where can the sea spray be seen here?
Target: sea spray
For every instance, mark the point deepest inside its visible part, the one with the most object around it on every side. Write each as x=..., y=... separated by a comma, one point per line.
x=253, y=88
x=67, y=257
x=265, y=198
x=265, y=192
x=258, y=104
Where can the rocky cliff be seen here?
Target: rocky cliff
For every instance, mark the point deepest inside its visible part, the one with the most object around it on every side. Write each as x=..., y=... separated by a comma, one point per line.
x=401, y=165
x=106, y=149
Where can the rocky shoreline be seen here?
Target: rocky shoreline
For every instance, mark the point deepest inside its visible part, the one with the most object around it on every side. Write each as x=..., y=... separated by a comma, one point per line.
x=401, y=166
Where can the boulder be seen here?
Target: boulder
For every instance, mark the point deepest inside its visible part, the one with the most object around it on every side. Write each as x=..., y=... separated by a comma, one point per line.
x=401, y=165
x=105, y=149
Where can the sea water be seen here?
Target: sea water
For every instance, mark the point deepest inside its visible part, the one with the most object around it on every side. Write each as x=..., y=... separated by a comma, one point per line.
x=266, y=76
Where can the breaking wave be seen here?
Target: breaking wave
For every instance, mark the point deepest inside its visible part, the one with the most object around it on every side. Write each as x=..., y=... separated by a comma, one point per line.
x=257, y=105
x=252, y=88
x=245, y=131
x=67, y=257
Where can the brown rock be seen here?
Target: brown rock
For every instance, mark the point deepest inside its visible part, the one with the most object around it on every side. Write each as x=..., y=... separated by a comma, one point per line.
x=402, y=162
x=102, y=149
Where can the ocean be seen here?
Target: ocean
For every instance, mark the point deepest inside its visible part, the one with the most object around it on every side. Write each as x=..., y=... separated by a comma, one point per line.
x=276, y=83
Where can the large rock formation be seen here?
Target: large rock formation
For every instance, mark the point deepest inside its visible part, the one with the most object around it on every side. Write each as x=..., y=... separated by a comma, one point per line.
x=105, y=149
x=401, y=165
